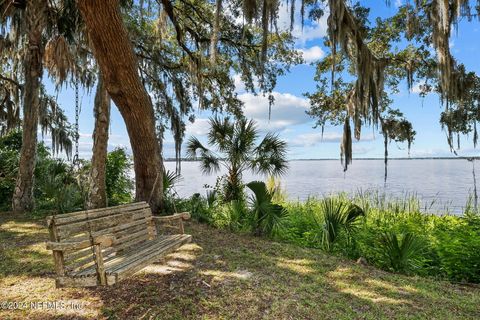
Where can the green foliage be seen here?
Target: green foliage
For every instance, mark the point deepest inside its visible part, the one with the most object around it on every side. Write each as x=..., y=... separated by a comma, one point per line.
x=198, y=208
x=55, y=184
x=56, y=187
x=392, y=234
x=9, y=157
x=118, y=183
x=337, y=216
x=400, y=250
x=457, y=242
x=232, y=215
x=170, y=179
x=267, y=217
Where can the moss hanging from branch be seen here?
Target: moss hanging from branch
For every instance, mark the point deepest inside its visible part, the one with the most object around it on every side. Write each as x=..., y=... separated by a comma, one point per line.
x=442, y=15
x=58, y=59
x=346, y=146
x=395, y=128
x=364, y=100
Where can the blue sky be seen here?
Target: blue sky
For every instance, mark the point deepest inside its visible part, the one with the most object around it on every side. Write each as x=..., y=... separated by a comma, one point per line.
x=288, y=114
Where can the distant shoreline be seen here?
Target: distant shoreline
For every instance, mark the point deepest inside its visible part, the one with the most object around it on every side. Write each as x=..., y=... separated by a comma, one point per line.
x=337, y=159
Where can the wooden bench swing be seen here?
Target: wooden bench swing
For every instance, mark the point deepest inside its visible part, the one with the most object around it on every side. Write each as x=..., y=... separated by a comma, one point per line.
x=104, y=246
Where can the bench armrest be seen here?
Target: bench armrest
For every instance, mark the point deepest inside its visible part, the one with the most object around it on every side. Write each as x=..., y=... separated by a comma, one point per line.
x=173, y=217
x=105, y=241
x=177, y=217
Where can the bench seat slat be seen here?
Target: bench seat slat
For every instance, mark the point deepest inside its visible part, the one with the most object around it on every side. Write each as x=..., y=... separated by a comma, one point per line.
x=140, y=264
x=147, y=252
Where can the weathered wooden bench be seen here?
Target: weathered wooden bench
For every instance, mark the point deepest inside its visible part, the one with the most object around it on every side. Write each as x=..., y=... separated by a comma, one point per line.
x=104, y=246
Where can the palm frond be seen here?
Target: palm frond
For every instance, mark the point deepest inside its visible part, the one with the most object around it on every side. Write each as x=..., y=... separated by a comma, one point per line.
x=268, y=217
x=337, y=216
x=244, y=136
x=270, y=156
x=170, y=179
x=194, y=146
x=221, y=133
x=209, y=162
x=401, y=250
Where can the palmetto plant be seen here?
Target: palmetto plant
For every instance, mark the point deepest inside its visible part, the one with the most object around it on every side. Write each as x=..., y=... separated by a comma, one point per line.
x=170, y=180
x=267, y=217
x=237, y=151
x=400, y=250
x=337, y=216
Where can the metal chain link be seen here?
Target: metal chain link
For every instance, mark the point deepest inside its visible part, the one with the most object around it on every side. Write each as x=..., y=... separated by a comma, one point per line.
x=77, y=129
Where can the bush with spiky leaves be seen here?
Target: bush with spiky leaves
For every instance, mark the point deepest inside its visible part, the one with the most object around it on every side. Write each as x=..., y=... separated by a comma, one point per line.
x=400, y=250
x=266, y=217
x=337, y=216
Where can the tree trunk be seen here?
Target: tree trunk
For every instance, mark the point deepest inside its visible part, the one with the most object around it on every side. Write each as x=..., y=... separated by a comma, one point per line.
x=23, y=195
x=119, y=66
x=97, y=193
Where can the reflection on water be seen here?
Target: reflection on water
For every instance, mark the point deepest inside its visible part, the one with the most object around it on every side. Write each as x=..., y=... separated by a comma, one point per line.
x=446, y=183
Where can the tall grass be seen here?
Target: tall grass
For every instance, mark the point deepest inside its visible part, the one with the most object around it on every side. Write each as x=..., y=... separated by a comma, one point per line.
x=395, y=234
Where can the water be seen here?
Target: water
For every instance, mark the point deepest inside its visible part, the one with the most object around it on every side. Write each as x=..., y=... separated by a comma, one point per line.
x=445, y=182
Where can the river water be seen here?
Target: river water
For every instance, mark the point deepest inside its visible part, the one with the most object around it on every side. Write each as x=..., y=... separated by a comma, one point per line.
x=441, y=184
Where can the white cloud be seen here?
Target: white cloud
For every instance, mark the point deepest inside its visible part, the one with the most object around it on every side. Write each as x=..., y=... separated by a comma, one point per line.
x=314, y=138
x=417, y=88
x=312, y=54
x=199, y=128
x=398, y=3
x=310, y=31
x=288, y=110
x=239, y=85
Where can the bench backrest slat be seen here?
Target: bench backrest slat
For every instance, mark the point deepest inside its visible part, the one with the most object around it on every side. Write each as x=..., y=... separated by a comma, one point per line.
x=130, y=225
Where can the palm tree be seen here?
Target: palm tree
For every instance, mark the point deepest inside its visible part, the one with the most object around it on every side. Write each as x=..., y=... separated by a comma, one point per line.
x=237, y=152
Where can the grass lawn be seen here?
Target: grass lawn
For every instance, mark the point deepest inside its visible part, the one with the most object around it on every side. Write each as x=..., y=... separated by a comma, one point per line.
x=225, y=276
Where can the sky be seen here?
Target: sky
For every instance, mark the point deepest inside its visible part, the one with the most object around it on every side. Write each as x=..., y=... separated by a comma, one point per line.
x=288, y=118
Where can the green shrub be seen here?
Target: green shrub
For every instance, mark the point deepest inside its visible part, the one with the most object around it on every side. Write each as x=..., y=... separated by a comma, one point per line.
x=9, y=156
x=118, y=182
x=57, y=188
x=392, y=234
x=457, y=242
x=232, y=215
x=266, y=217
x=336, y=217
x=400, y=250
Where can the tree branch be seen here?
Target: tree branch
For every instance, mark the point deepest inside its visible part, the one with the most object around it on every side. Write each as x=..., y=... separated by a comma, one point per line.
x=12, y=81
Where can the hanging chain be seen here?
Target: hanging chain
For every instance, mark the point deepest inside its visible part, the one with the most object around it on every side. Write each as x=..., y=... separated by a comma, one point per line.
x=77, y=116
